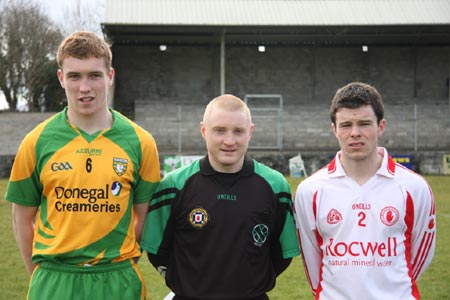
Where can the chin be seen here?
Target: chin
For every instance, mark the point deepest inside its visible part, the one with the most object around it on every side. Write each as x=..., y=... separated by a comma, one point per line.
x=228, y=161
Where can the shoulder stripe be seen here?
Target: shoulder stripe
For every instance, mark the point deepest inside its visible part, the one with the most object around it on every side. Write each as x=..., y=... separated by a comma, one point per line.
x=164, y=192
x=284, y=197
x=162, y=198
x=424, y=251
x=159, y=205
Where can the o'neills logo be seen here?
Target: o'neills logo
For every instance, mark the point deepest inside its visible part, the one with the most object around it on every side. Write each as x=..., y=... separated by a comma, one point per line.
x=382, y=249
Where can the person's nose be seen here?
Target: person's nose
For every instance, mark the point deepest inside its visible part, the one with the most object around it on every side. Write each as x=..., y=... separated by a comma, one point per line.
x=229, y=139
x=85, y=86
x=356, y=131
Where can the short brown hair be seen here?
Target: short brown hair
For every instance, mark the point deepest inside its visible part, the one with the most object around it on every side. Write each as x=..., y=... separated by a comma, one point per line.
x=355, y=95
x=83, y=45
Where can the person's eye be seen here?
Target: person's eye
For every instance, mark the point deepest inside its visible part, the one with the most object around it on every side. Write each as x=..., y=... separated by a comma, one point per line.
x=219, y=130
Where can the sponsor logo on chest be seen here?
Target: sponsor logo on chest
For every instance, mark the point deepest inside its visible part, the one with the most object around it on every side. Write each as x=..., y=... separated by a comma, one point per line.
x=358, y=248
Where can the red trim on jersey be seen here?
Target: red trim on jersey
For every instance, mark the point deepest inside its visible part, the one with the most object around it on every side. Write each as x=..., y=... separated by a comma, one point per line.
x=332, y=166
x=302, y=253
x=426, y=242
x=409, y=221
x=319, y=238
x=391, y=165
x=305, y=266
x=422, y=254
x=433, y=208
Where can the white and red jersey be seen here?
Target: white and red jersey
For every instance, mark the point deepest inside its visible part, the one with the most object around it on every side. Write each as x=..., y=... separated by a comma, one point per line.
x=365, y=242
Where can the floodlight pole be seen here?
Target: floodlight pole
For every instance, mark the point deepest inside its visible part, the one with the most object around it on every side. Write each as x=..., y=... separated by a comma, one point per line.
x=222, y=62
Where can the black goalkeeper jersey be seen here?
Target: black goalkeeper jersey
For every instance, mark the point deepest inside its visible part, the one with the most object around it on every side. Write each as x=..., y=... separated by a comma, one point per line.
x=221, y=235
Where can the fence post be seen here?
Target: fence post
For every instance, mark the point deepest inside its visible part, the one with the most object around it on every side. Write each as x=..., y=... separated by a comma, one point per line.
x=415, y=129
x=180, y=136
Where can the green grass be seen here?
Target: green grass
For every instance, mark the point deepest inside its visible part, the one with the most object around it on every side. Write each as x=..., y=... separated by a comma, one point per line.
x=292, y=284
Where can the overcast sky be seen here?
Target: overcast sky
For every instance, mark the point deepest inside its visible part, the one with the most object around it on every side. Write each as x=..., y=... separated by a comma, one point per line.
x=54, y=8
x=57, y=8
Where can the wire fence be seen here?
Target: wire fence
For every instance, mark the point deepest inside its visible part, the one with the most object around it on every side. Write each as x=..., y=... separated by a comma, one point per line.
x=410, y=128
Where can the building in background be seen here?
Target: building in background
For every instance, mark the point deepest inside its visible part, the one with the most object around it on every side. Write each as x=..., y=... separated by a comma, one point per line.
x=172, y=56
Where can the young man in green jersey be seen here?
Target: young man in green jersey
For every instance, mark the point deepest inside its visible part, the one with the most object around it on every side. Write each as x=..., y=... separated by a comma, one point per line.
x=80, y=186
x=222, y=227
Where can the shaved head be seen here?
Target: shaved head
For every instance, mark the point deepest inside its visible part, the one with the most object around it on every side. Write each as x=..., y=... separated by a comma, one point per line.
x=229, y=103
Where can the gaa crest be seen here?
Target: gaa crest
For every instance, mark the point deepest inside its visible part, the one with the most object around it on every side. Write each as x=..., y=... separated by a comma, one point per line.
x=389, y=215
x=198, y=217
x=120, y=165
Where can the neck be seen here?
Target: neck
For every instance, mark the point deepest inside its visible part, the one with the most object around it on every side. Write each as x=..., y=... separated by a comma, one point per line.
x=226, y=168
x=89, y=123
x=362, y=170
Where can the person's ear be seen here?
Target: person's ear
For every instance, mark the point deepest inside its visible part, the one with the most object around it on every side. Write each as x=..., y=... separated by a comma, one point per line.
x=60, y=75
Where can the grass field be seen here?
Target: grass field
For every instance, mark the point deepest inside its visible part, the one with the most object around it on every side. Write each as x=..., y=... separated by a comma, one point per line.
x=292, y=284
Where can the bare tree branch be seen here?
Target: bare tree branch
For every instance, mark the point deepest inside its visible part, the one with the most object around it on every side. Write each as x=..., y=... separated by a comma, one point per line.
x=83, y=15
x=28, y=44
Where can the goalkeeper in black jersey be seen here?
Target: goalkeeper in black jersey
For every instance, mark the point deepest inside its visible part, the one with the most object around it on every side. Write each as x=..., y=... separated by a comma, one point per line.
x=222, y=227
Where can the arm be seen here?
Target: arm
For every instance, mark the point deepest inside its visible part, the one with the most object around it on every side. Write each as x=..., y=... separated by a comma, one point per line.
x=423, y=237
x=305, y=220
x=159, y=262
x=285, y=245
x=140, y=212
x=281, y=265
x=23, y=226
x=158, y=231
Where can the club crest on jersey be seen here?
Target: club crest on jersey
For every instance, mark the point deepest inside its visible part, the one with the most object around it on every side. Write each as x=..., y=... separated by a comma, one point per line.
x=334, y=216
x=198, y=217
x=389, y=215
x=120, y=165
x=260, y=233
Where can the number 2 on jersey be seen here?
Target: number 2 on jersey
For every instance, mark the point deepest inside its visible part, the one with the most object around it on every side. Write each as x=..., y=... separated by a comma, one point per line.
x=362, y=219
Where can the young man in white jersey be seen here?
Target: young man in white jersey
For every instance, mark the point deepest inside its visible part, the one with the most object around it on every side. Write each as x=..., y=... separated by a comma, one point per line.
x=367, y=225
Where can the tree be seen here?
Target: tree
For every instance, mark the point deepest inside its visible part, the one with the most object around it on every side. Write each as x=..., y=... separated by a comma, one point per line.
x=54, y=94
x=83, y=15
x=28, y=44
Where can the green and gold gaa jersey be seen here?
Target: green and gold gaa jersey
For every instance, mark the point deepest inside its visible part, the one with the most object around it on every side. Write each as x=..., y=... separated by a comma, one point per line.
x=85, y=187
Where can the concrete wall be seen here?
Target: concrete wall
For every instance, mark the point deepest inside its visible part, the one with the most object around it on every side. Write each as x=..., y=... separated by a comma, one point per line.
x=303, y=75
x=305, y=130
x=166, y=92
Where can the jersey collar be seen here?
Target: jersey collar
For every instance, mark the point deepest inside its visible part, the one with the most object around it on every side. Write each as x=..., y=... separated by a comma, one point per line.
x=207, y=169
x=387, y=169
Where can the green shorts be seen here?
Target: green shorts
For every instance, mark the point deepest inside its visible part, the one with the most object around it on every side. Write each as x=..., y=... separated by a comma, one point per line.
x=117, y=281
